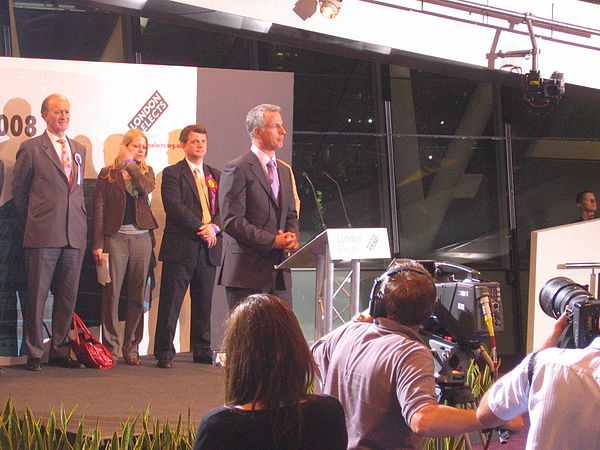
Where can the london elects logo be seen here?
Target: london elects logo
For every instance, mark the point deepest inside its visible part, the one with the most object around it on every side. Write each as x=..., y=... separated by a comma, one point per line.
x=148, y=114
x=372, y=242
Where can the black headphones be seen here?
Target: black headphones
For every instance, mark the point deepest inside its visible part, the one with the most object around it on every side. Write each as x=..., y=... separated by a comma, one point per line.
x=377, y=302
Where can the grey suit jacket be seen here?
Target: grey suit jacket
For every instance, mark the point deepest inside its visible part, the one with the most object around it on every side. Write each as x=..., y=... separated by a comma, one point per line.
x=53, y=214
x=251, y=216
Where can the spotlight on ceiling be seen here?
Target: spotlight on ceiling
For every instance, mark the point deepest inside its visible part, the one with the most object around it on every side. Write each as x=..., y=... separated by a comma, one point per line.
x=330, y=8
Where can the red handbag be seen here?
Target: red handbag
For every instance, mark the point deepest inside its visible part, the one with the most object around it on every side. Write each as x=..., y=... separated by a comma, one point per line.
x=89, y=350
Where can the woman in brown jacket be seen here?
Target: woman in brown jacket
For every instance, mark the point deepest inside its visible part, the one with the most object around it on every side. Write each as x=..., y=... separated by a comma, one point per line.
x=122, y=220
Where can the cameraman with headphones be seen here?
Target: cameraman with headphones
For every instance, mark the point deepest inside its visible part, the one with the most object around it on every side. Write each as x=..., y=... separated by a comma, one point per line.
x=383, y=373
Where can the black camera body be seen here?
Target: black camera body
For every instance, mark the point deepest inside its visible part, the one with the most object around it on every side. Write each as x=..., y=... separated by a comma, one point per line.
x=584, y=318
x=459, y=307
x=560, y=294
x=544, y=91
x=458, y=314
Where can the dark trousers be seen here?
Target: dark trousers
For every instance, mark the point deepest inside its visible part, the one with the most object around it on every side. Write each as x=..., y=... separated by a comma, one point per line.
x=199, y=275
x=236, y=294
x=59, y=267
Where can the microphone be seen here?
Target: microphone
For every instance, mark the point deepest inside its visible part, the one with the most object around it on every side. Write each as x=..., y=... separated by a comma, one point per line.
x=312, y=187
x=341, y=198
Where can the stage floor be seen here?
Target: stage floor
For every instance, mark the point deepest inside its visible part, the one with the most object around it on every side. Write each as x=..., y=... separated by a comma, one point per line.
x=110, y=397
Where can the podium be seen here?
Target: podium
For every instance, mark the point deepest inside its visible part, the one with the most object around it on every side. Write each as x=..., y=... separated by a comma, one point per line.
x=554, y=253
x=336, y=246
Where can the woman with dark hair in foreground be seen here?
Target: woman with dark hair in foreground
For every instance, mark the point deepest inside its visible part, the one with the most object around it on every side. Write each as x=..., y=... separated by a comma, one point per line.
x=268, y=375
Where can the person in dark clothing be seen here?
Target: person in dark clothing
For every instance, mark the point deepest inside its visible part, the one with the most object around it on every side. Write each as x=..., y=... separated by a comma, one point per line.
x=268, y=373
x=586, y=202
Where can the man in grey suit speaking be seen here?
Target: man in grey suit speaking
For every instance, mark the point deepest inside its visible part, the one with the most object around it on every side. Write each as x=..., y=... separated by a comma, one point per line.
x=258, y=213
x=48, y=193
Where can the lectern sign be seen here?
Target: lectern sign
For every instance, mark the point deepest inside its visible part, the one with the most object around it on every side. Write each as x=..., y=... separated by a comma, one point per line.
x=338, y=245
x=358, y=243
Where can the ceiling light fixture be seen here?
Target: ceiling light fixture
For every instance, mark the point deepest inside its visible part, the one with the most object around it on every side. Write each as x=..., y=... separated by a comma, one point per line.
x=330, y=8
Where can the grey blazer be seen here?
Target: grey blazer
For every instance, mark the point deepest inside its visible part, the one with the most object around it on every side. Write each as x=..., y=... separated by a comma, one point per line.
x=53, y=214
x=251, y=216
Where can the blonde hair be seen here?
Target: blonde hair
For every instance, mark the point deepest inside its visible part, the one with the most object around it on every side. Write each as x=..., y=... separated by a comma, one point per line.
x=128, y=137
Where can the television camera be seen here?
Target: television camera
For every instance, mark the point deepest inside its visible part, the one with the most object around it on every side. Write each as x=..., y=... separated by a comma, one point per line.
x=468, y=309
x=464, y=302
x=544, y=91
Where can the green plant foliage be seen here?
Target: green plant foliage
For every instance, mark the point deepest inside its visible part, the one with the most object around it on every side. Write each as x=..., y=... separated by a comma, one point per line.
x=320, y=207
x=28, y=433
x=478, y=382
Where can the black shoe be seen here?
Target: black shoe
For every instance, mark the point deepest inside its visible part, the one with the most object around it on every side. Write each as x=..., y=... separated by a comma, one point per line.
x=202, y=358
x=34, y=364
x=164, y=363
x=67, y=363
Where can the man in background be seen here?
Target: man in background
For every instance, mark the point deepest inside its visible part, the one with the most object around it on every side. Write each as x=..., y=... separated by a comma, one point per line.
x=586, y=202
x=258, y=213
x=48, y=194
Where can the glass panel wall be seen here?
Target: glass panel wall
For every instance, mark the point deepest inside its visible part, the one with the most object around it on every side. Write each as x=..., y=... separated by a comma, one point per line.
x=164, y=43
x=45, y=30
x=448, y=199
x=574, y=117
x=357, y=163
x=548, y=175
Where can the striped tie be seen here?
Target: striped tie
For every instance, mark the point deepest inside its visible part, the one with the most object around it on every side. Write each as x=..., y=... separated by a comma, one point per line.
x=65, y=157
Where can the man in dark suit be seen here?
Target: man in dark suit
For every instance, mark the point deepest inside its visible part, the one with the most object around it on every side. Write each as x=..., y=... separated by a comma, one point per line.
x=258, y=213
x=191, y=247
x=48, y=194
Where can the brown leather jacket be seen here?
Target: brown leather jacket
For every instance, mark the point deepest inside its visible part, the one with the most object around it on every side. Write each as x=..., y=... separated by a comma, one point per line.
x=110, y=198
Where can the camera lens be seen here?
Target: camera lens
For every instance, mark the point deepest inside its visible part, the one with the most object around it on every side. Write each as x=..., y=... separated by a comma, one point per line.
x=560, y=292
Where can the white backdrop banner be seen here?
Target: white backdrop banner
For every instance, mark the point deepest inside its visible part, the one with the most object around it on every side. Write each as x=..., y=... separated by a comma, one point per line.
x=106, y=99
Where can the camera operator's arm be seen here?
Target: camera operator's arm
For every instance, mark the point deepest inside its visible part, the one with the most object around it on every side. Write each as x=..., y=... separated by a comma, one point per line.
x=441, y=421
x=555, y=333
x=508, y=397
x=485, y=415
x=417, y=399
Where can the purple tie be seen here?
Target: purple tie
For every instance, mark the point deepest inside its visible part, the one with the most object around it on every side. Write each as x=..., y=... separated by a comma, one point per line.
x=273, y=178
